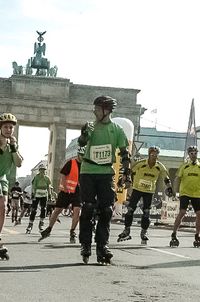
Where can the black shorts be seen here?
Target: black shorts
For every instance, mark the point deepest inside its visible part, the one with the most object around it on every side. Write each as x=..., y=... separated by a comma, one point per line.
x=65, y=199
x=26, y=205
x=185, y=200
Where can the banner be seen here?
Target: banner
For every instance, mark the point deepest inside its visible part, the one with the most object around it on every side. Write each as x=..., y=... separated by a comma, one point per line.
x=128, y=128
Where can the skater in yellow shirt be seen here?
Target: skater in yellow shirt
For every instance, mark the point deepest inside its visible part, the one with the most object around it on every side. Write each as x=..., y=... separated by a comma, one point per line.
x=187, y=182
x=145, y=175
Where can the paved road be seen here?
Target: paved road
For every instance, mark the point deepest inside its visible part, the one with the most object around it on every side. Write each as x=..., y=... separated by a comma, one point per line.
x=52, y=270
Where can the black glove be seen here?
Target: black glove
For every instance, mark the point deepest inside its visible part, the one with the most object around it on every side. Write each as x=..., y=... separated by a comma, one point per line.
x=169, y=192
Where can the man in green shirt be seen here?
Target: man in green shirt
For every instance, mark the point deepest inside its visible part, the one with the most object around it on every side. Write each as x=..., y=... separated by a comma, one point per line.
x=9, y=157
x=145, y=175
x=41, y=192
x=101, y=138
x=187, y=183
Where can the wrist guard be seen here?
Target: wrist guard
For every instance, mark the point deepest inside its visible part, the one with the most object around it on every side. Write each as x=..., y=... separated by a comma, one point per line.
x=13, y=148
x=82, y=141
x=169, y=191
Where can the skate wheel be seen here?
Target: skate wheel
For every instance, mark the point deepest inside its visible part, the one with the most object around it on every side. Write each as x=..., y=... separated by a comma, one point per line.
x=6, y=257
x=85, y=259
x=144, y=242
x=195, y=244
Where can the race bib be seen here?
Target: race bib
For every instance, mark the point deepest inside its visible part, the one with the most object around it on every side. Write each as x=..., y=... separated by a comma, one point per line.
x=145, y=185
x=41, y=193
x=101, y=154
x=15, y=195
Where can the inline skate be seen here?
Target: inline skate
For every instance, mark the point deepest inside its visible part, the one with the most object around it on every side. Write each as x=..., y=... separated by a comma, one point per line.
x=196, y=242
x=125, y=235
x=143, y=236
x=41, y=225
x=174, y=241
x=85, y=252
x=44, y=234
x=73, y=236
x=29, y=228
x=104, y=255
x=3, y=252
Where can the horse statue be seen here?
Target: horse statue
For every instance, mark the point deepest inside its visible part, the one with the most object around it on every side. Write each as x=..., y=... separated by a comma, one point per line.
x=52, y=72
x=17, y=69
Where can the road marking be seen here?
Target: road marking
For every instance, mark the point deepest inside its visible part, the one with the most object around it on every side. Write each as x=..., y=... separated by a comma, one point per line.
x=11, y=231
x=169, y=253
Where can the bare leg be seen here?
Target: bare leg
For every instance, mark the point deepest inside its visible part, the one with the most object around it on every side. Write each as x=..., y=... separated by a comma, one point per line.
x=178, y=220
x=197, y=222
x=75, y=217
x=54, y=216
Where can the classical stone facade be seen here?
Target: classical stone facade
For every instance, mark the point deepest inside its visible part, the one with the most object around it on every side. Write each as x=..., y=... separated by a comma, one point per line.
x=59, y=104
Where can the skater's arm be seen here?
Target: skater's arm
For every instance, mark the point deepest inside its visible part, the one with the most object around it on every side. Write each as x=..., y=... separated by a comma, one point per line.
x=177, y=182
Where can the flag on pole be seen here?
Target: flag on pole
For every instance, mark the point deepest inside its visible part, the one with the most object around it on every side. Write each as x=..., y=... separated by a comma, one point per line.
x=191, y=137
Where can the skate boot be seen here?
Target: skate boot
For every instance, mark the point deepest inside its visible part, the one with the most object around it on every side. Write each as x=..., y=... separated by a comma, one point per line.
x=19, y=221
x=144, y=237
x=41, y=225
x=72, y=236
x=125, y=235
x=3, y=252
x=85, y=252
x=29, y=228
x=196, y=242
x=44, y=234
x=174, y=241
x=104, y=255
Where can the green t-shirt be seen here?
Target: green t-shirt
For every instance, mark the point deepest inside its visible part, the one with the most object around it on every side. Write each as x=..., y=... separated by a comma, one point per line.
x=189, y=175
x=101, y=148
x=40, y=185
x=6, y=162
x=145, y=178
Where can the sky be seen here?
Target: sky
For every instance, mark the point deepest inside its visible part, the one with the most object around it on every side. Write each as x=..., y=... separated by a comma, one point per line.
x=148, y=45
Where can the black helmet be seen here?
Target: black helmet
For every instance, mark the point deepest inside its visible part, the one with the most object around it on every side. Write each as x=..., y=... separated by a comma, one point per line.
x=154, y=148
x=192, y=149
x=106, y=102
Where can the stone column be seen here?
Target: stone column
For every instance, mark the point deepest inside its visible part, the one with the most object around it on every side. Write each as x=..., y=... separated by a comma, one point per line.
x=56, y=152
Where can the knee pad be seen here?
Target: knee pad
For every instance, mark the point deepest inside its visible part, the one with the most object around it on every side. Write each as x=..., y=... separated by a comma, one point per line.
x=34, y=212
x=130, y=211
x=145, y=221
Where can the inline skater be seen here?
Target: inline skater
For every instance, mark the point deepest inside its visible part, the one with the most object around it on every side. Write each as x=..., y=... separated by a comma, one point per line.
x=145, y=174
x=27, y=193
x=40, y=194
x=69, y=194
x=101, y=138
x=9, y=156
x=187, y=183
x=16, y=193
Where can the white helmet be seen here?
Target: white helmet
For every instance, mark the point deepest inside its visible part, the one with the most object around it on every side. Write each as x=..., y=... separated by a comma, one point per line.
x=42, y=167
